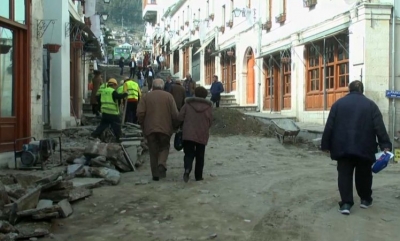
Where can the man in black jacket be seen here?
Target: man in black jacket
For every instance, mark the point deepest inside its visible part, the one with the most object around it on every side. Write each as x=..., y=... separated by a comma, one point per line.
x=353, y=126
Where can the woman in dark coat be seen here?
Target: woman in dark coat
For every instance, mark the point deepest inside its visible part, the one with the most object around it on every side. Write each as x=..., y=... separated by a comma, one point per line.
x=97, y=81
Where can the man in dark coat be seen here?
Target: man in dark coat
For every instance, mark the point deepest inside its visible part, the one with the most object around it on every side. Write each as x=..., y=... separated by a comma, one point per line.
x=353, y=126
x=216, y=89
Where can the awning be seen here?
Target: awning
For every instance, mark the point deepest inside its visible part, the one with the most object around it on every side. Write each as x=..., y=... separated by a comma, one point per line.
x=189, y=43
x=174, y=48
x=77, y=26
x=325, y=34
x=223, y=49
x=204, y=46
x=182, y=43
x=281, y=48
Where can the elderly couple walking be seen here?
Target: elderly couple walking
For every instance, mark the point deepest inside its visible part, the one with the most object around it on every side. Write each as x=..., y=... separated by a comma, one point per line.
x=159, y=117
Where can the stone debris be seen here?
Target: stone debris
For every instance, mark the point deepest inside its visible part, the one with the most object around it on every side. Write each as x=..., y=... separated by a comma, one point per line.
x=29, y=201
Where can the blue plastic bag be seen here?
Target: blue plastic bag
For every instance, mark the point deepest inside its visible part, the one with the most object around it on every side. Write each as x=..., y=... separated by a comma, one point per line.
x=382, y=160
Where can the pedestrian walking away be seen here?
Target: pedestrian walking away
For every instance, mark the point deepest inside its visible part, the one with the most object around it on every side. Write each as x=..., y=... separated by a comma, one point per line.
x=132, y=88
x=216, y=89
x=196, y=116
x=179, y=94
x=352, y=128
x=157, y=114
x=110, y=110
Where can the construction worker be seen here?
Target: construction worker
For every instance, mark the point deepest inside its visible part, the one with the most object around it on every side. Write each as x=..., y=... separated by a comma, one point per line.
x=98, y=94
x=110, y=110
x=134, y=94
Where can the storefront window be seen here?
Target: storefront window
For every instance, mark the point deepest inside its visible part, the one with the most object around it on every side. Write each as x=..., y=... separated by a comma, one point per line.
x=5, y=9
x=6, y=73
x=19, y=11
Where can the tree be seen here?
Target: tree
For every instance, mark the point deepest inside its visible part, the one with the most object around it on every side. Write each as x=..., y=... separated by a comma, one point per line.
x=128, y=10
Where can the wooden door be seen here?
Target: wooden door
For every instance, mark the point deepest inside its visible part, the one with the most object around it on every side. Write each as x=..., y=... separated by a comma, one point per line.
x=272, y=92
x=250, y=80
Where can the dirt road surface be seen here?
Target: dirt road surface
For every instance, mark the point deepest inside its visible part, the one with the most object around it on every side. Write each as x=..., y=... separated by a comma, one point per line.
x=254, y=189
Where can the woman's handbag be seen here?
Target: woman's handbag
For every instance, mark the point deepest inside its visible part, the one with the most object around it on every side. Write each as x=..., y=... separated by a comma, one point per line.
x=178, y=142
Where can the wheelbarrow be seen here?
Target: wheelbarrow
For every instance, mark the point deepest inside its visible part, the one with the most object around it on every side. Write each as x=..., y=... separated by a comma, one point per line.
x=286, y=128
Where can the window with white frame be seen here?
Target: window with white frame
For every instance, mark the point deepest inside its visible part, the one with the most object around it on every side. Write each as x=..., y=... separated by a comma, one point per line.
x=183, y=17
x=268, y=10
x=208, y=8
x=230, y=11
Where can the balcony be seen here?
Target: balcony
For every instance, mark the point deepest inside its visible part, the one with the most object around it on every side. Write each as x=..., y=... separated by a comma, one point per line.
x=149, y=10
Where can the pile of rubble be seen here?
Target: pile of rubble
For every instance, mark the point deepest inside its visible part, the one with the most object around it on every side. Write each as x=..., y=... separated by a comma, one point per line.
x=25, y=198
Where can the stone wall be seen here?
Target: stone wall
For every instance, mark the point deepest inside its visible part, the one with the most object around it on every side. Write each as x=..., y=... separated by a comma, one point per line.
x=36, y=72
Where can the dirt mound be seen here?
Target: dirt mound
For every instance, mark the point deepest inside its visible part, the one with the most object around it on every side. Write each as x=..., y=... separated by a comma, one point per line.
x=229, y=122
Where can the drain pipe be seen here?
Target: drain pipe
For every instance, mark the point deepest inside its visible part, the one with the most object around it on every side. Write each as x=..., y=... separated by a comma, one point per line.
x=393, y=70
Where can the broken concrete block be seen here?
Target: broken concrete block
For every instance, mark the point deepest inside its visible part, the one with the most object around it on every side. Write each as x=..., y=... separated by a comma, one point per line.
x=80, y=160
x=110, y=175
x=27, y=233
x=44, y=203
x=50, y=185
x=65, y=208
x=6, y=227
x=4, y=199
x=96, y=149
x=28, y=201
x=7, y=180
x=62, y=185
x=85, y=172
x=48, y=179
x=87, y=182
x=37, y=211
x=73, y=169
x=56, y=196
x=132, y=152
x=79, y=193
x=100, y=161
x=42, y=215
x=26, y=180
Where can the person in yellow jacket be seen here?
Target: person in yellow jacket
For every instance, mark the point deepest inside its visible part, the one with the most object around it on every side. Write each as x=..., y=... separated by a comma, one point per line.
x=133, y=89
x=120, y=90
x=98, y=94
x=110, y=110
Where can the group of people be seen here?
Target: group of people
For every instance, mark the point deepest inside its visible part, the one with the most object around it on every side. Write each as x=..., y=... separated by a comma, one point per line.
x=353, y=132
x=167, y=107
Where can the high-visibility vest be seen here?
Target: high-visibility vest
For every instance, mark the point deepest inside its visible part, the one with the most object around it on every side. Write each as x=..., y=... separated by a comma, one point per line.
x=120, y=89
x=100, y=90
x=108, y=105
x=133, y=89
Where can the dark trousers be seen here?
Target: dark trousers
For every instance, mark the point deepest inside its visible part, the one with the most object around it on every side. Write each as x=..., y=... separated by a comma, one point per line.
x=98, y=103
x=194, y=150
x=130, y=115
x=159, y=144
x=363, y=179
x=108, y=120
x=132, y=73
x=122, y=71
x=150, y=82
x=215, y=99
x=95, y=109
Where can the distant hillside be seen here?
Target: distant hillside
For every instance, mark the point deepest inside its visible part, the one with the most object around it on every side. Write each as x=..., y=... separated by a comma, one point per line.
x=128, y=10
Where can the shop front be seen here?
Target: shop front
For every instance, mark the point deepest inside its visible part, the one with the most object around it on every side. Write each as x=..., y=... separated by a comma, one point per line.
x=15, y=84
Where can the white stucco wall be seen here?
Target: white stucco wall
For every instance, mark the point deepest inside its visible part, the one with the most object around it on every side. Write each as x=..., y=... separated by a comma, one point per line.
x=369, y=39
x=36, y=72
x=60, y=63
